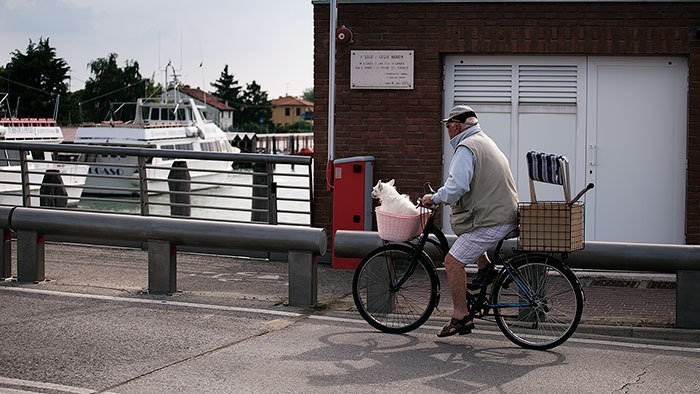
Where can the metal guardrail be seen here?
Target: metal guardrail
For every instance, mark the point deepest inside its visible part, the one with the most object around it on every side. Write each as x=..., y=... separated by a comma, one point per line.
x=273, y=189
x=682, y=260
x=163, y=236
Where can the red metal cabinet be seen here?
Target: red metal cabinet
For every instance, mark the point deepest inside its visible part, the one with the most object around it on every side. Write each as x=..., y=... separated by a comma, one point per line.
x=352, y=200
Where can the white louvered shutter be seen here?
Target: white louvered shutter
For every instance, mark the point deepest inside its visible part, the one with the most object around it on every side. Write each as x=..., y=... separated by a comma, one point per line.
x=482, y=84
x=547, y=84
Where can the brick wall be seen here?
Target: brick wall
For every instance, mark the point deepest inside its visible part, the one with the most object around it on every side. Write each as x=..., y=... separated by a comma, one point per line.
x=401, y=128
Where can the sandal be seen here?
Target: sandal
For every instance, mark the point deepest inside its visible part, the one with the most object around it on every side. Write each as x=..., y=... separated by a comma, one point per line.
x=482, y=277
x=456, y=326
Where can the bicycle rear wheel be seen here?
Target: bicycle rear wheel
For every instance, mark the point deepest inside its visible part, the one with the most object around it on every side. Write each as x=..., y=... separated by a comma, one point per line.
x=540, y=306
x=389, y=308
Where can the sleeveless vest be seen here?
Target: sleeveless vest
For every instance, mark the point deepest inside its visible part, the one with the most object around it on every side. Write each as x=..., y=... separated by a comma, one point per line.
x=492, y=198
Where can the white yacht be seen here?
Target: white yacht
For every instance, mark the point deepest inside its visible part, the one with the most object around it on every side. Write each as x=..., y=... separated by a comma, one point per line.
x=31, y=130
x=170, y=122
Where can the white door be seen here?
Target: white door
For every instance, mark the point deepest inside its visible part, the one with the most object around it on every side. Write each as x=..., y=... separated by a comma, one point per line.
x=523, y=103
x=608, y=115
x=637, y=114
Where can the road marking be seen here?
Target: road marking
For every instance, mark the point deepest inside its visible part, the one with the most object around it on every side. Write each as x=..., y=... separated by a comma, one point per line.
x=45, y=386
x=153, y=302
x=357, y=321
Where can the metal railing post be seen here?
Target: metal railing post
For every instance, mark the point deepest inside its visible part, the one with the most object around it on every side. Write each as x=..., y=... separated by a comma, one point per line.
x=6, y=254
x=303, y=279
x=143, y=186
x=687, y=299
x=272, y=195
x=162, y=267
x=30, y=256
x=26, y=198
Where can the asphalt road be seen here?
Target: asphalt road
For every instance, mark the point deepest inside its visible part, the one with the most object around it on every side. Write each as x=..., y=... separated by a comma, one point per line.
x=71, y=342
x=91, y=328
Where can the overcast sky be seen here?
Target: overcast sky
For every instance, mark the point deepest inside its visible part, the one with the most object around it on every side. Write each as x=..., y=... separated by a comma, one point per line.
x=268, y=41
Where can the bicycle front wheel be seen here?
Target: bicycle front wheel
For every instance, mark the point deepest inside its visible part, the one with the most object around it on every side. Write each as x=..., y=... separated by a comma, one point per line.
x=386, y=306
x=539, y=306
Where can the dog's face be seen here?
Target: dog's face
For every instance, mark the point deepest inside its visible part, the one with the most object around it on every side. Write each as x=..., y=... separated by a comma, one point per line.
x=380, y=187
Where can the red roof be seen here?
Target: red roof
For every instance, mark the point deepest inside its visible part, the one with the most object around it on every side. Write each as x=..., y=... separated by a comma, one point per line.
x=208, y=98
x=292, y=101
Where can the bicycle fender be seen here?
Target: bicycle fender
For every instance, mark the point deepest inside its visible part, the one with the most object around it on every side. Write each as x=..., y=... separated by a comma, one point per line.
x=563, y=267
x=443, y=245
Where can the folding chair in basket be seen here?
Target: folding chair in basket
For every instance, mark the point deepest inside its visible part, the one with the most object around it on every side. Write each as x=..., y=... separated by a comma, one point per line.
x=551, y=226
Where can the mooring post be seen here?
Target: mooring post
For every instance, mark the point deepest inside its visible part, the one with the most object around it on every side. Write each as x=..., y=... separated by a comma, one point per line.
x=180, y=187
x=30, y=256
x=53, y=192
x=162, y=267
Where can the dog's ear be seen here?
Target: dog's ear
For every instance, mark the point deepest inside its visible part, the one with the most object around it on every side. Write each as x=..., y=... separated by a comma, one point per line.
x=379, y=184
x=390, y=183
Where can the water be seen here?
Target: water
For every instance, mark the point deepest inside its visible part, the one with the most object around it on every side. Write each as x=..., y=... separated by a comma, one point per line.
x=230, y=203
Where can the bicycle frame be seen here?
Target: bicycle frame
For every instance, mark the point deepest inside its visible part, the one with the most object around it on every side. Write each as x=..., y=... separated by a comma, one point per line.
x=441, y=243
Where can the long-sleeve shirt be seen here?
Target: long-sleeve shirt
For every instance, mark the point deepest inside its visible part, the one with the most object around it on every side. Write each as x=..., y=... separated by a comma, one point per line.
x=461, y=170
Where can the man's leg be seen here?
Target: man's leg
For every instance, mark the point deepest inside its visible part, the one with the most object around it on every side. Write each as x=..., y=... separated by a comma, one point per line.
x=457, y=280
x=483, y=261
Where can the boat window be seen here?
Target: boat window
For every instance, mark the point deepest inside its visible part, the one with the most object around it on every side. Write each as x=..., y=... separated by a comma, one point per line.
x=163, y=114
x=13, y=157
x=154, y=114
x=38, y=155
x=89, y=158
x=184, y=146
x=181, y=114
x=167, y=147
x=3, y=158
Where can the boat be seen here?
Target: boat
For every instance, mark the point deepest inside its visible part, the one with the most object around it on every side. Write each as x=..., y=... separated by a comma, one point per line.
x=169, y=122
x=39, y=163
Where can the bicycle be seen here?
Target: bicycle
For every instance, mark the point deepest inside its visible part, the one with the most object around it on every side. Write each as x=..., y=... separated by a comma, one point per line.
x=536, y=300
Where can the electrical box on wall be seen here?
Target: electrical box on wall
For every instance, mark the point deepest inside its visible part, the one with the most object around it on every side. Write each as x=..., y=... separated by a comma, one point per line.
x=352, y=200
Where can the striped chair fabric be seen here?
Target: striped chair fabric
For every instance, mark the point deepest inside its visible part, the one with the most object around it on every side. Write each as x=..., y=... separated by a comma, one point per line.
x=548, y=168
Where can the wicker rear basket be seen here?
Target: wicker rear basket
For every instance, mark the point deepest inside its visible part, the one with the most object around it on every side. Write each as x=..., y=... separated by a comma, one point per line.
x=550, y=227
x=399, y=228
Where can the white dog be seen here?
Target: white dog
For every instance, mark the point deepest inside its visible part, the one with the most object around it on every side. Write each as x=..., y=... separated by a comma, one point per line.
x=391, y=201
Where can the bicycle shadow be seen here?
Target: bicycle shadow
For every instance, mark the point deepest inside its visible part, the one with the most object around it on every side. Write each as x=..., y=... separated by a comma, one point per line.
x=379, y=359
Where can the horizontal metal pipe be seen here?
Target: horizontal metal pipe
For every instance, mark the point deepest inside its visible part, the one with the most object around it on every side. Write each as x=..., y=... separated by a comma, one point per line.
x=613, y=256
x=5, y=213
x=190, y=232
x=152, y=152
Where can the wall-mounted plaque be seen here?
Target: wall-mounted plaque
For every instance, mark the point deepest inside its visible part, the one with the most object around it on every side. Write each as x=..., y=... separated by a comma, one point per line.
x=381, y=70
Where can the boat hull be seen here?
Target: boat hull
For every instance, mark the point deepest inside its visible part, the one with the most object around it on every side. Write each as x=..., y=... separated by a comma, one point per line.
x=123, y=181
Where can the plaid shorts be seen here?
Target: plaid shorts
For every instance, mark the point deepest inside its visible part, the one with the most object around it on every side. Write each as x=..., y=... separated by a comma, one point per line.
x=470, y=245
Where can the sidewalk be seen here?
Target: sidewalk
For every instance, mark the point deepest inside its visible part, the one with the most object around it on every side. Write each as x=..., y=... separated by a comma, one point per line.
x=624, y=304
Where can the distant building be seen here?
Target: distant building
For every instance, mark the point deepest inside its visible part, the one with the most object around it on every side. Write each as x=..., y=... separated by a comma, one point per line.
x=217, y=110
x=288, y=110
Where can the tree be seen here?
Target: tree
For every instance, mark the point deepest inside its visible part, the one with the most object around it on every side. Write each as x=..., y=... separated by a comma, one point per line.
x=110, y=84
x=227, y=88
x=35, y=79
x=255, y=106
x=308, y=94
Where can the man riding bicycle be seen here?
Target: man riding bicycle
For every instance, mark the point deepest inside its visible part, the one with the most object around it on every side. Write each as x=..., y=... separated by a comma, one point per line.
x=481, y=191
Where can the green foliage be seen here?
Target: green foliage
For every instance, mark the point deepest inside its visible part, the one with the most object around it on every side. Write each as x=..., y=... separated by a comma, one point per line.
x=255, y=105
x=297, y=127
x=35, y=78
x=227, y=88
x=308, y=94
x=110, y=85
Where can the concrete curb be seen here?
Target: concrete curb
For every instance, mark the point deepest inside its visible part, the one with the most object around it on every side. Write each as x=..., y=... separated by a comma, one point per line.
x=652, y=333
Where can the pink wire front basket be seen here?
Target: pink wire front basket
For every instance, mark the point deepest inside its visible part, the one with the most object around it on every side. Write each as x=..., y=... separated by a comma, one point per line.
x=399, y=228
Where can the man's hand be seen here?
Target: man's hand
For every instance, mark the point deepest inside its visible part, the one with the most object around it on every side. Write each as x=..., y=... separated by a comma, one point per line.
x=427, y=200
